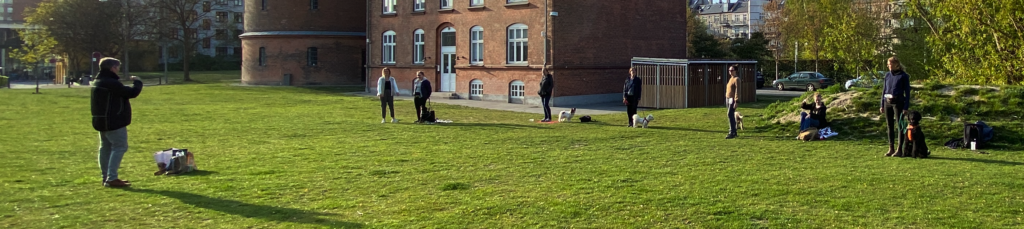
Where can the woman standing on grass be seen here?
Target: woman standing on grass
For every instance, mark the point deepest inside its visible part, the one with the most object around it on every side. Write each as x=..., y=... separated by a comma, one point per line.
x=387, y=89
x=895, y=100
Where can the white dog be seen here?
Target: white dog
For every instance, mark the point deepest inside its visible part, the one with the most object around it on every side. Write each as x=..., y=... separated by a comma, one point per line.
x=642, y=122
x=566, y=116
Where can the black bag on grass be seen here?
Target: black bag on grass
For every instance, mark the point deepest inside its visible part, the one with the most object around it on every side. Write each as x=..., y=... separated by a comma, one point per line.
x=428, y=113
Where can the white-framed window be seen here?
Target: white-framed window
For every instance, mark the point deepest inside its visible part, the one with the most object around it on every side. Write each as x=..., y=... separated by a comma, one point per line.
x=476, y=89
x=476, y=45
x=388, y=54
x=515, y=1
x=417, y=47
x=389, y=6
x=517, y=90
x=517, y=44
x=476, y=2
x=419, y=5
x=446, y=4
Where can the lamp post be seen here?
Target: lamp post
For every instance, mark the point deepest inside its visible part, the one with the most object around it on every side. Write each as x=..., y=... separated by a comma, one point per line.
x=127, y=30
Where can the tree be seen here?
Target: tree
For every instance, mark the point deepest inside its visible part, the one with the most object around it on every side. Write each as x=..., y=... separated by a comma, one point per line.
x=976, y=41
x=803, y=26
x=754, y=48
x=702, y=44
x=854, y=29
x=185, y=22
x=37, y=48
x=82, y=27
x=774, y=20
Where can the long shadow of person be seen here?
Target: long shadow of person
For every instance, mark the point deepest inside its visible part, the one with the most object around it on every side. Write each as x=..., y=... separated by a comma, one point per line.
x=247, y=210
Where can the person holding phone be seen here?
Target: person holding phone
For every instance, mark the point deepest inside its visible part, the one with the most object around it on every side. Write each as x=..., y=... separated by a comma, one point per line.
x=895, y=100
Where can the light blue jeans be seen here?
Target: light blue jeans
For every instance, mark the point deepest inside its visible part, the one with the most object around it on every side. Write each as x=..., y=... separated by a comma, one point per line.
x=113, y=145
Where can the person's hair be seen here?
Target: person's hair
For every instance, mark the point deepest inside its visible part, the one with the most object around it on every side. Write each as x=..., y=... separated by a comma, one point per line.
x=817, y=94
x=418, y=73
x=896, y=63
x=382, y=72
x=109, y=62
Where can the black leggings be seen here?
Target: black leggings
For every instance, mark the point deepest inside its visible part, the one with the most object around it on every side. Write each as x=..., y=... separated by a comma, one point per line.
x=892, y=114
x=387, y=101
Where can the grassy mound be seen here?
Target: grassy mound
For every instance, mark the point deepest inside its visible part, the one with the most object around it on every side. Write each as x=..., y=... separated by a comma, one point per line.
x=854, y=113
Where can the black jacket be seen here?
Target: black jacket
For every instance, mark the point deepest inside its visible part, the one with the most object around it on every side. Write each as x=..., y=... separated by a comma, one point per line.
x=546, y=86
x=816, y=113
x=110, y=107
x=425, y=89
x=633, y=89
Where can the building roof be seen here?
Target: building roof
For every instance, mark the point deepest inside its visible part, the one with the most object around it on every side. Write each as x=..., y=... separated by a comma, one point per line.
x=717, y=8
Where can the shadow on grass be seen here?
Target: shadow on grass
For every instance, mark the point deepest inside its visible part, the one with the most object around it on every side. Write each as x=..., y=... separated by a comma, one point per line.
x=979, y=160
x=256, y=211
x=685, y=129
x=198, y=173
x=494, y=125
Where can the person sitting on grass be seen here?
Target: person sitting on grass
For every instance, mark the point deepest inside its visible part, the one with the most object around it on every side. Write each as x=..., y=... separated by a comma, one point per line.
x=816, y=118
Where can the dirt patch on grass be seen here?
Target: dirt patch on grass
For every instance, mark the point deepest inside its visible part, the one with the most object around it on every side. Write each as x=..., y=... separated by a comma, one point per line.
x=952, y=90
x=839, y=104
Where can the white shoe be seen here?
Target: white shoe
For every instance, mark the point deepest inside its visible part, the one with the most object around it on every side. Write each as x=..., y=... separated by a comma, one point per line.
x=383, y=120
x=393, y=120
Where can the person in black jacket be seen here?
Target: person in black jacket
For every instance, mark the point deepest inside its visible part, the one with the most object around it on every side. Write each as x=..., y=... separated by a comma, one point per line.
x=421, y=94
x=895, y=100
x=816, y=118
x=547, y=84
x=111, y=115
x=631, y=94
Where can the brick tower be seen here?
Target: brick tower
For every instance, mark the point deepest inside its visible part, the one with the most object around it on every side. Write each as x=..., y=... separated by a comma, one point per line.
x=304, y=42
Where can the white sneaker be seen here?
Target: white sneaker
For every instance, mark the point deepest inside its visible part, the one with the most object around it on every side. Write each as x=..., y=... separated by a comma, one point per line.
x=393, y=120
x=383, y=120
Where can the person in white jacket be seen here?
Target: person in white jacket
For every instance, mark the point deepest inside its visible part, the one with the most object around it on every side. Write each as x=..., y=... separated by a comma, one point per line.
x=387, y=89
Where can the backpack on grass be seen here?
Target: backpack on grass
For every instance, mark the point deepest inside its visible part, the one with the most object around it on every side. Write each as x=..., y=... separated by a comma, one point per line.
x=174, y=161
x=428, y=114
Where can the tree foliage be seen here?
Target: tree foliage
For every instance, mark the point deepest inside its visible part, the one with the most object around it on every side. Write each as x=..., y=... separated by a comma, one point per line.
x=702, y=44
x=37, y=48
x=980, y=42
x=182, y=22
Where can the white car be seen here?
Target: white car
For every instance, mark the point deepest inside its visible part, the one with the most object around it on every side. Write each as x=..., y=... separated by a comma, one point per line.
x=863, y=81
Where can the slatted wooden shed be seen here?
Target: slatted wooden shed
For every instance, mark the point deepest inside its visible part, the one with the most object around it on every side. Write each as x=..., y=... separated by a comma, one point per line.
x=686, y=83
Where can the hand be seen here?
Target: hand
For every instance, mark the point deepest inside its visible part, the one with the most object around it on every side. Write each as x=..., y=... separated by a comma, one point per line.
x=134, y=78
x=624, y=101
x=379, y=96
x=881, y=110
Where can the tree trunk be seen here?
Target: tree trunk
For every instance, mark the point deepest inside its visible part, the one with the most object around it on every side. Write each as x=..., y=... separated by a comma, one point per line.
x=184, y=66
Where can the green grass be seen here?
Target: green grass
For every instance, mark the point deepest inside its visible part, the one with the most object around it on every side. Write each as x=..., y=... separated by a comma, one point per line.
x=315, y=157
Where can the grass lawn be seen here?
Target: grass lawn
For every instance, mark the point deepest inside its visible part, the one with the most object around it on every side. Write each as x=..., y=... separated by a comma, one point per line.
x=315, y=157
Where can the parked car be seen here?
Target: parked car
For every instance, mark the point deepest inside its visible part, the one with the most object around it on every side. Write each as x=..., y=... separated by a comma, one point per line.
x=811, y=81
x=760, y=80
x=866, y=81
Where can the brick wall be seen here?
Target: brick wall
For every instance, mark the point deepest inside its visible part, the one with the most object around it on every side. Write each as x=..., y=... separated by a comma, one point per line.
x=594, y=41
x=295, y=15
x=339, y=61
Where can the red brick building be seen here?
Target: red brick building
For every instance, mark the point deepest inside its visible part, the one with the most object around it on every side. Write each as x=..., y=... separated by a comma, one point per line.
x=494, y=49
x=304, y=42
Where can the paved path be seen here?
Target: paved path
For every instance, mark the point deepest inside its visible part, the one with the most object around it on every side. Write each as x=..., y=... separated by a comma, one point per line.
x=775, y=92
x=43, y=84
x=591, y=109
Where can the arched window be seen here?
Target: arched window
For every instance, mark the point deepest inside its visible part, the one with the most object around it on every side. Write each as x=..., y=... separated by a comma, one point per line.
x=388, y=52
x=517, y=44
x=417, y=47
x=476, y=45
x=516, y=91
x=476, y=89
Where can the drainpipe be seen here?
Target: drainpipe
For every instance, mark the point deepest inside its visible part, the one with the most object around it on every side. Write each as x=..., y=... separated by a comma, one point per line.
x=367, y=32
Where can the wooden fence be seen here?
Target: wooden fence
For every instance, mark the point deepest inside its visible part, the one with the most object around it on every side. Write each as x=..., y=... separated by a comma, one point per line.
x=682, y=83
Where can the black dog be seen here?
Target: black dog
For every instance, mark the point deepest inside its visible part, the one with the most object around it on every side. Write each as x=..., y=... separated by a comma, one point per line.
x=915, y=144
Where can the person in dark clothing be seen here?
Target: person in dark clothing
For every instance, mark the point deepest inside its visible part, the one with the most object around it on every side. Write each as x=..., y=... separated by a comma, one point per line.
x=111, y=115
x=816, y=118
x=895, y=100
x=631, y=95
x=421, y=94
x=547, y=84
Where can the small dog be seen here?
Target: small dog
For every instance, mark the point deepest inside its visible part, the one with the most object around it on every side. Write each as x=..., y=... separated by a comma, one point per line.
x=642, y=122
x=915, y=145
x=739, y=120
x=566, y=116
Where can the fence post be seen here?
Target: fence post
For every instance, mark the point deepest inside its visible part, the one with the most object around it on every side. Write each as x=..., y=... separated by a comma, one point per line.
x=686, y=86
x=657, y=85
